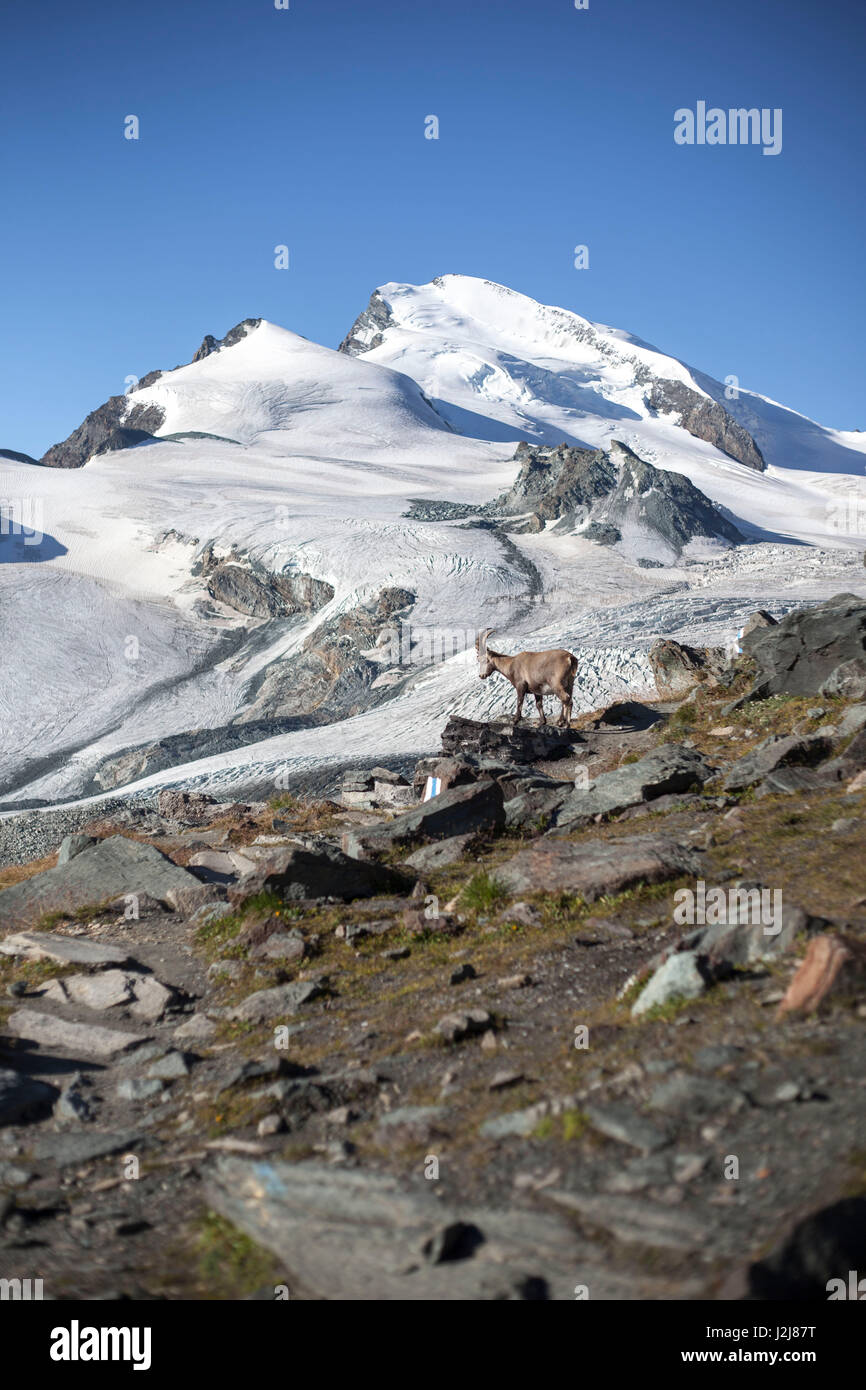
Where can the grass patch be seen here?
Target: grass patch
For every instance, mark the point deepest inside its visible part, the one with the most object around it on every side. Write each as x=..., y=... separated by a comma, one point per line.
x=231, y=1265
x=483, y=893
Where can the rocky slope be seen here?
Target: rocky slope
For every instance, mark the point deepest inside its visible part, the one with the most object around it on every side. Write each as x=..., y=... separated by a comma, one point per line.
x=594, y=1014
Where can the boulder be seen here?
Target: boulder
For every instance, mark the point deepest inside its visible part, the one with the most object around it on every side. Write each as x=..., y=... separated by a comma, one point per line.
x=813, y=651
x=677, y=668
x=103, y=871
x=348, y=1233
x=777, y=751
x=82, y=1039
x=595, y=868
x=459, y=811
x=744, y=939
x=320, y=871
x=667, y=769
x=65, y=950
x=682, y=976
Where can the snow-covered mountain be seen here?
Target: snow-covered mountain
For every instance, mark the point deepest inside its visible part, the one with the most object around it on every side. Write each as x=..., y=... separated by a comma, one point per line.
x=254, y=564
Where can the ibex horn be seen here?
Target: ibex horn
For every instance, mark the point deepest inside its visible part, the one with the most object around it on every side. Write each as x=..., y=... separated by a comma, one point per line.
x=481, y=640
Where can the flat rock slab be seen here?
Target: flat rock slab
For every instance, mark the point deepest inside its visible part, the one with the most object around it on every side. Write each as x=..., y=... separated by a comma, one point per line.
x=619, y=1121
x=636, y=1222
x=598, y=868
x=105, y=870
x=668, y=769
x=348, y=1234
x=440, y=853
x=66, y=1149
x=65, y=950
x=83, y=1039
x=23, y=1097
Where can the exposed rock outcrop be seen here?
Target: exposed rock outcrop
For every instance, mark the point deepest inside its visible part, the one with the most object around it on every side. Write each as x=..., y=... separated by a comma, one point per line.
x=610, y=496
x=706, y=419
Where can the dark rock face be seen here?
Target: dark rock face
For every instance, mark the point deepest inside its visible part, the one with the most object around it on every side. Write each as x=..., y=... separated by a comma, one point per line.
x=211, y=344
x=330, y=676
x=23, y=1097
x=248, y=587
x=822, y=1248
x=16, y=457
x=366, y=332
x=120, y=422
x=473, y=739
x=102, y=426
x=606, y=492
x=706, y=419
x=812, y=651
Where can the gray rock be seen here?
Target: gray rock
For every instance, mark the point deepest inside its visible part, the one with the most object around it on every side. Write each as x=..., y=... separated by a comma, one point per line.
x=595, y=868
x=322, y=872
x=170, y=1067
x=72, y=845
x=695, y=1097
x=281, y=945
x=417, y=1121
x=640, y=1173
x=82, y=1039
x=105, y=990
x=670, y=768
x=196, y=1029
x=535, y=807
x=518, y=1123
x=454, y=1027
x=103, y=871
x=68, y=1149
x=744, y=941
x=636, y=1222
x=813, y=651
x=681, y=976
x=23, y=1098
x=210, y=912
x=458, y=811
x=852, y=721
x=65, y=950
x=777, y=751
x=266, y=1004
x=74, y=1102
x=139, y=1088
x=619, y=1121
x=440, y=854
x=347, y=1233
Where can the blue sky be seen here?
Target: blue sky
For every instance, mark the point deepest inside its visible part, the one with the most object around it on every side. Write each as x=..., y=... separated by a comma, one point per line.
x=306, y=127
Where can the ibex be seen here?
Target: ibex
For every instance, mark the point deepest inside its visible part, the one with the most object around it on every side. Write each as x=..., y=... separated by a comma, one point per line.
x=533, y=673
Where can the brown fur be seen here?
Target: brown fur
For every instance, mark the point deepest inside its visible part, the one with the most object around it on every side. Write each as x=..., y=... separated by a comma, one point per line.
x=532, y=673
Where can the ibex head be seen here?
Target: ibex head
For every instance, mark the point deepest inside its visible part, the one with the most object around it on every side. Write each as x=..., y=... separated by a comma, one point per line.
x=485, y=665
